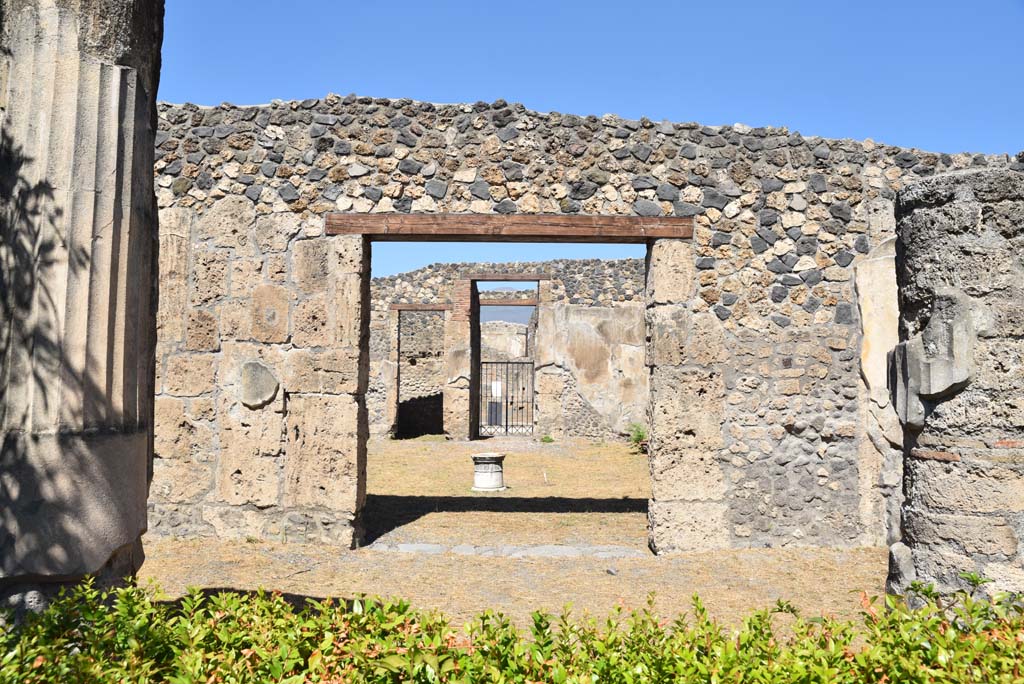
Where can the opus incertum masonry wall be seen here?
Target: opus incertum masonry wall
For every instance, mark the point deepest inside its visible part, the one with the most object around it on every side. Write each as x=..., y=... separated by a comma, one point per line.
x=767, y=332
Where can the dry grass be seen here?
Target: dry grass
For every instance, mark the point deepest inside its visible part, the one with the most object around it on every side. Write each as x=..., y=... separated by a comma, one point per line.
x=584, y=494
x=432, y=466
x=560, y=494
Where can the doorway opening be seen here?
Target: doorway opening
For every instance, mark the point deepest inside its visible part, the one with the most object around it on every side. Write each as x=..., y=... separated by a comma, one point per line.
x=420, y=373
x=535, y=360
x=508, y=330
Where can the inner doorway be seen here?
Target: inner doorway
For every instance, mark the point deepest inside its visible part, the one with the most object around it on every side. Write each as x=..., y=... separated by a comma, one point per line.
x=506, y=337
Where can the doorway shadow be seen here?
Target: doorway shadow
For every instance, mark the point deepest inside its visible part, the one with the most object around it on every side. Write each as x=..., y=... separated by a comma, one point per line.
x=384, y=513
x=420, y=416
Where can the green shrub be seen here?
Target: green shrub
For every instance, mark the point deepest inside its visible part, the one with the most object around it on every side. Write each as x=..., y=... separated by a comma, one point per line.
x=126, y=635
x=637, y=435
x=547, y=439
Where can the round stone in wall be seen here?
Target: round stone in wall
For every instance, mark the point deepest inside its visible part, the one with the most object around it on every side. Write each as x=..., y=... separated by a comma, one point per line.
x=258, y=386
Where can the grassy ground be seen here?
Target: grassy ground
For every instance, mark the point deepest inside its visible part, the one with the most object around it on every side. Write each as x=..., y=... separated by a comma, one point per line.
x=583, y=494
x=586, y=495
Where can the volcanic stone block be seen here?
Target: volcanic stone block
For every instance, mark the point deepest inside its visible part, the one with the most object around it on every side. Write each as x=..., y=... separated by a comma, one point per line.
x=189, y=375
x=686, y=409
x=228, y=223
x=203, y=333
x=179, y=436
x=274, y=231
x=326, y=453
x=235, y=319
x=270, y=313
x=684, y=526
x=333, y=371
x=879, y=313
x=244, y=476
x=671, y=272
x=980, y=487
x=310, y=264
x=310, y=325
x=180, y=481
x=246, y=275
x=687, y=474
x=210, y=282
x=668, y=330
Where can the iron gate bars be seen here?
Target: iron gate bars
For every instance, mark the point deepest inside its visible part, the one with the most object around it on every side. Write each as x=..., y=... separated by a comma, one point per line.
x=506, y=398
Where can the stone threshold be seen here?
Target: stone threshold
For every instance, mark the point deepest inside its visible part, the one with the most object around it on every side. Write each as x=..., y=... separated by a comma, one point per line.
x=512, y=551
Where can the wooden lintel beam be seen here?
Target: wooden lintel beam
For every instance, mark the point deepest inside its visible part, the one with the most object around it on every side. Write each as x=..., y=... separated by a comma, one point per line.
x=508, y=277
x=412, y=306
x=510, y=227
x=508, y=302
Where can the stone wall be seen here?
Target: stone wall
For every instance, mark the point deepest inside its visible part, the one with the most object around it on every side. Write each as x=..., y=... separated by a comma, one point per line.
x=788, y=446
x=504, y=341
x=261, y=424
x=593, y=282
x=591, y=379
x=958, y=379
x=421, y=353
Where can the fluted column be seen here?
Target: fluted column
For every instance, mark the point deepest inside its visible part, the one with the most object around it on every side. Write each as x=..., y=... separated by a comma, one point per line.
x=77, y=284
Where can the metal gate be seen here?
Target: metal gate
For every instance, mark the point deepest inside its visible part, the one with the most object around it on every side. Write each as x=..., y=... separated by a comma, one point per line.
x=506, y=398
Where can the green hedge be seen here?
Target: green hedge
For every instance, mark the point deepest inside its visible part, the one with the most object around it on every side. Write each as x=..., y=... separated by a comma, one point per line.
x=126, y=635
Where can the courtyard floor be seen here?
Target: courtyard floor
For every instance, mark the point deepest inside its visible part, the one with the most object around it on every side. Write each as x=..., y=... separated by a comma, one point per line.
x=571, y=529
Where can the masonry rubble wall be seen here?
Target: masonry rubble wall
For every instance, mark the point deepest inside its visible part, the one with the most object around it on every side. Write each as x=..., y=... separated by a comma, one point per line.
x=78, y=234
x=504, y=341
x=958, y=380
x=421, y=353
x=791, y=445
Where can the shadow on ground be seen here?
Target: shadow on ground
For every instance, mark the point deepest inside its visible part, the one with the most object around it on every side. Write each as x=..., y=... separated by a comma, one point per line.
x=296, y=601
x=384, y=513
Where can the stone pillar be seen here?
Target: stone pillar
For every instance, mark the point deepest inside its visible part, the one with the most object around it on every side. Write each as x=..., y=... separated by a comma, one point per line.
x=78, y=84
x=391, y=372
x=327, y=427
x=461, y=361
x=957, y=378
x=880, y=442
x=687, y=511
x=549, y=376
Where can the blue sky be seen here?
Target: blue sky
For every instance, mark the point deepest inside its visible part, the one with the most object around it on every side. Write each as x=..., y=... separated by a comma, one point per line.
x=942, y=76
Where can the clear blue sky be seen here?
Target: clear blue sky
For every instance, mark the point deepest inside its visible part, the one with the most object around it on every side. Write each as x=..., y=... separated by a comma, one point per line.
x=942, y=76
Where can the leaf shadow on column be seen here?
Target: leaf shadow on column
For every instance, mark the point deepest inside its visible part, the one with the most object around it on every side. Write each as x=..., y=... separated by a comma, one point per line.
x=41, y=516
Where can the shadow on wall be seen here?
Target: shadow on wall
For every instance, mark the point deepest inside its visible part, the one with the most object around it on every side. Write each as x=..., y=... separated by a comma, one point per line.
x=420, y=416
x=384, y=513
